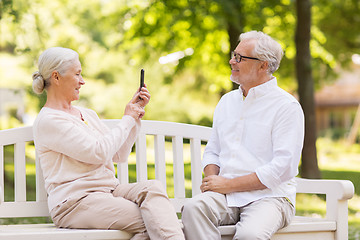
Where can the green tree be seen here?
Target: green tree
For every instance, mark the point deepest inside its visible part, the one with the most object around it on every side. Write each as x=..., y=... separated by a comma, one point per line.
x=116, y=38
x=274, y=18
x=211, y=28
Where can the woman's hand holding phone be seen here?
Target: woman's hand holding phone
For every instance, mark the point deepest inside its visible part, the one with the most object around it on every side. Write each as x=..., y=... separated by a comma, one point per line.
x=144, y=95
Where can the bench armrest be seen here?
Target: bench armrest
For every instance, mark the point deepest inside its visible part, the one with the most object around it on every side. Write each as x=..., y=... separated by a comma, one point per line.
x=338, y=189
x=337, y=192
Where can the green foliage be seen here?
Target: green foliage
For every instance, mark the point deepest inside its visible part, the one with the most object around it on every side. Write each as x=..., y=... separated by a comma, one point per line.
x=339, y=22
x=117, y=38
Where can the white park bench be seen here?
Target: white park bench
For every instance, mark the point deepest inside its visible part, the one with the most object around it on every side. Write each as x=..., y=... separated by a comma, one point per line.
x=333, y=226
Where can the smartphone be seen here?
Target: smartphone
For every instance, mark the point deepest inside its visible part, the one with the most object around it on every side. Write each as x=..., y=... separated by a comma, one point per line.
x=141, y=78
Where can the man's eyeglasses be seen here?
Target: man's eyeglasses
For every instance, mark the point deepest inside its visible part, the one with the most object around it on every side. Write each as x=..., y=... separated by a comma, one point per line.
x=239, y=57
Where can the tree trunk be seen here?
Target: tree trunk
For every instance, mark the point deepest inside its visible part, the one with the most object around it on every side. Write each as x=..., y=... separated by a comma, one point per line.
x=236, y=22
x=234, y=33
x=309, y=165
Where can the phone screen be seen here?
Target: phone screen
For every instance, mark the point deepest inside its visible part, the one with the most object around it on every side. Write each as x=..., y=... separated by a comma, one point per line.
x=141, y=78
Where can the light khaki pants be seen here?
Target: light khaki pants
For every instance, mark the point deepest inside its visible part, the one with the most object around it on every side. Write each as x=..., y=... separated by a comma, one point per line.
x=260, y=219
x=141, y=208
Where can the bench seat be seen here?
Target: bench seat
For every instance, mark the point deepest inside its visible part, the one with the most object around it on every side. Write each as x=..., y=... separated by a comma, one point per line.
x=50, y=232
x=304, y=225
x=301, y=226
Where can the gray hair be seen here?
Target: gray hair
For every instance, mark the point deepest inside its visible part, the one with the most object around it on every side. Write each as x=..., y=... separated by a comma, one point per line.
x=52, y=59
x=266, y=49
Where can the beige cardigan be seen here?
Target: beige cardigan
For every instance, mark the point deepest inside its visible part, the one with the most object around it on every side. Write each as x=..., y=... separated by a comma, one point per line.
x=77, y=157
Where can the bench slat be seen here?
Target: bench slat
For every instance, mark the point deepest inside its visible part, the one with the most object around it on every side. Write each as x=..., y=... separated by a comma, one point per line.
x=123, y=172
x=179, y=179
x=14, y=135
x=20, y=172
x=174, y=129
x=304, y=235
x=24, y=209
x=49, y=231
x=160, y=164
x=299, y=225
x=196, y=168
x=141, y=162
x=2, y=174
x=41, y=194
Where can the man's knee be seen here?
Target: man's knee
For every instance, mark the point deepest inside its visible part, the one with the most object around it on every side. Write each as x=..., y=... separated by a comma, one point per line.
x=190, y=206
x=195, y=200
x=193, y=207
x=206, y=204
x=251, y=234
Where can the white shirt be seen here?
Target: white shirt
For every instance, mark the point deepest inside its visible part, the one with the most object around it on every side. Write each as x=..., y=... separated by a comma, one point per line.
x=262, y=133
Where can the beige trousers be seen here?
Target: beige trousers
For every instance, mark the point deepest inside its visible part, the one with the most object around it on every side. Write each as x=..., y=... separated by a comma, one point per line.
x=258, y=220
x=140, y=208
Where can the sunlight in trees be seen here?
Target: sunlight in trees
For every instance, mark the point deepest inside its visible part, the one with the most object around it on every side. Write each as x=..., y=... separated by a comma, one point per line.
x=117, y=38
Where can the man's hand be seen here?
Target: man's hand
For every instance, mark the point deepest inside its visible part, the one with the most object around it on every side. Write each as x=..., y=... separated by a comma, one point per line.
x=216, y=183
x=224, y=185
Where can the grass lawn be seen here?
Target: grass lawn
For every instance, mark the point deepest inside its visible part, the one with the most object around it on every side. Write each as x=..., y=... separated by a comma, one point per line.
x=336, y=161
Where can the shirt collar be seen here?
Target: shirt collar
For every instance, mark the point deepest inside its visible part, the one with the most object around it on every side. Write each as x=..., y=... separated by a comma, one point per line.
x=262, y=89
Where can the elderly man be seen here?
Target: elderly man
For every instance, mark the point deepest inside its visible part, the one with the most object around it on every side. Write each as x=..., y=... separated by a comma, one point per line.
x=253, y=154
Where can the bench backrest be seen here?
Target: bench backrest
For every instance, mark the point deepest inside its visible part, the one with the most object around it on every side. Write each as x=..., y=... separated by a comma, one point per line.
x=161, y=132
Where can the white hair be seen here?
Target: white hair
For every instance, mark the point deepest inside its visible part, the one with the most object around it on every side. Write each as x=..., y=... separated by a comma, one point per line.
x=52, y=59
x=265, y=48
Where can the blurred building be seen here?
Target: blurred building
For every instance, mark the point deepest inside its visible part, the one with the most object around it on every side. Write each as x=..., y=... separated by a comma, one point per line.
x=338, y=104
x=12, y=103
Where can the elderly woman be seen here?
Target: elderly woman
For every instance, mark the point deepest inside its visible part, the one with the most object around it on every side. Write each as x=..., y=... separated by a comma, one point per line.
x=77, y=151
